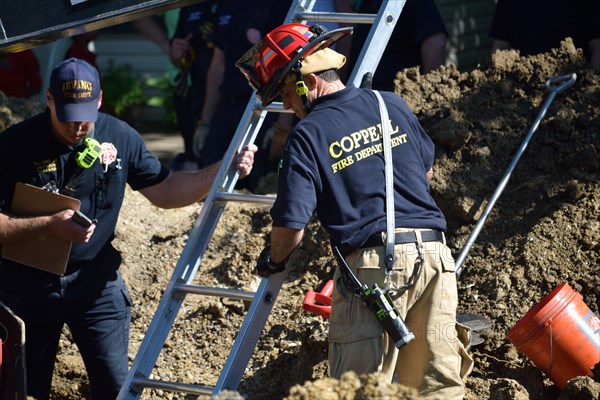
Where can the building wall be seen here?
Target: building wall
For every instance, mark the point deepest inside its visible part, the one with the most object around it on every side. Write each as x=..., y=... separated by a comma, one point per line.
x=131, y=48
x=468, y=23
x=144, y=57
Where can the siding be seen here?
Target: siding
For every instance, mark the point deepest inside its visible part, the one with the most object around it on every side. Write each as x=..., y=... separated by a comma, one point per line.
x=133, y=49
x=468, y=24
x=145, y=58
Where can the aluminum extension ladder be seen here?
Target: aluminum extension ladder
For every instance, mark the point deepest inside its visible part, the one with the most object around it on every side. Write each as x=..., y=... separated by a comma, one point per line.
x=220, y=194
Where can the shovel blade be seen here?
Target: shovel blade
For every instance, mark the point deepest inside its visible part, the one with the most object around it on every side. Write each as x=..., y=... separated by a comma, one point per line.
x=475, y=322
x=476, y=339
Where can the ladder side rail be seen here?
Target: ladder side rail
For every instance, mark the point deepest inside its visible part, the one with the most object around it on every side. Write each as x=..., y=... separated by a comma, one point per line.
x=297, y=7
x=382, y=29
x=264, y=299
x=148, y=351
x=250, y=332
x=246, y=133
x=156, y=334
x=224, y=182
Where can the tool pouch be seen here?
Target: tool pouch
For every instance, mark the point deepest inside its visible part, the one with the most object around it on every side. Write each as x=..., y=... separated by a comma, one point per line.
x=462, y=346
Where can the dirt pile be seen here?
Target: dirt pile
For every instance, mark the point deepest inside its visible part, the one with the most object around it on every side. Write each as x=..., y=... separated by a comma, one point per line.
x=543, y=231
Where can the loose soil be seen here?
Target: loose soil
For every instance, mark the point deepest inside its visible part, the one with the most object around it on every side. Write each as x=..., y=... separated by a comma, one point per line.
x=544, y=230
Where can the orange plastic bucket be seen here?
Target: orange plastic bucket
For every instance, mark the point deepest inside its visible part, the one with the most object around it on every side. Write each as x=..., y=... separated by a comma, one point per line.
x=560, y=335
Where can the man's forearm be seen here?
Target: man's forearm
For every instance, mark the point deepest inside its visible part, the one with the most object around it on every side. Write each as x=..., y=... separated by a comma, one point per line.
x=14, y=229
x=283, y=242
x=433, y=52
x=182, y=188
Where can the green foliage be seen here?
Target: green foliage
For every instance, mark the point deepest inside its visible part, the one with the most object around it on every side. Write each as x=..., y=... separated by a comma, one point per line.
x=121, y=87
x=165, y=99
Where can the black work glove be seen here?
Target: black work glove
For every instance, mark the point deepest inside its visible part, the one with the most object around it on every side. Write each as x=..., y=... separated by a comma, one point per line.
x=265, y=266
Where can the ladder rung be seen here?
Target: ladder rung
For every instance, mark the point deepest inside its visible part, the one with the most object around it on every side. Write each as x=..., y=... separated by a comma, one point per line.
x=214, y=291
x=245, y=198
x=275, y=106
x=320, y=16
x=172, y=386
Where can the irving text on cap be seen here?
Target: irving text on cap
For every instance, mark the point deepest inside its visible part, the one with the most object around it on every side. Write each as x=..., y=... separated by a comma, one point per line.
x=75, y=85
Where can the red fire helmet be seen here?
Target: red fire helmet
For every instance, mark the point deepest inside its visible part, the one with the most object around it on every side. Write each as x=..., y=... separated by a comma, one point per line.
x=267, y=64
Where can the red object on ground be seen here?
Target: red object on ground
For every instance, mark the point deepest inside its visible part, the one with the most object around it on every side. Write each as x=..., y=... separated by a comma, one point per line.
x=20, y=74
x=319, y=302
x=560, y=334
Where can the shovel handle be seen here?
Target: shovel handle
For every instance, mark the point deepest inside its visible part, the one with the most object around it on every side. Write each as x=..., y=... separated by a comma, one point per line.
x=555, y=85
x=559, y=84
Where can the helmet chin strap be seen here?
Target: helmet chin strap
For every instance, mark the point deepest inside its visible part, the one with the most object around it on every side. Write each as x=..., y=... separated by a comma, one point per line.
x=302, y=89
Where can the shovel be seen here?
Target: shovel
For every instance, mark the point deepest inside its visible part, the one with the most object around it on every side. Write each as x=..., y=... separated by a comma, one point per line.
x=554, y=85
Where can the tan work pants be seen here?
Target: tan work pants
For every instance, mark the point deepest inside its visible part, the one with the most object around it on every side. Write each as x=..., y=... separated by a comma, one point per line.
x=437, y=361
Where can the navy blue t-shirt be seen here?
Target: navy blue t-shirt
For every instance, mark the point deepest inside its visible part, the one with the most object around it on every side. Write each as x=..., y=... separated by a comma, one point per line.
x=199, y=20
x=333, y=164
x=29, y=153
x=234, y=18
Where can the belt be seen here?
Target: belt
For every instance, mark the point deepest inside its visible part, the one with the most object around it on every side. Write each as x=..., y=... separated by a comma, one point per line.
x=405, y=237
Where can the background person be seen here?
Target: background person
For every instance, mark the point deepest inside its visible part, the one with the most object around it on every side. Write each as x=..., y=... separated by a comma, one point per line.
x=188, y=43
x=227, y=92
x=418, y=39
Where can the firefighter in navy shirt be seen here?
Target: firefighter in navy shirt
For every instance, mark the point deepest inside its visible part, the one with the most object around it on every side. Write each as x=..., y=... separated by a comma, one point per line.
x=91, y=297
x=333, y=165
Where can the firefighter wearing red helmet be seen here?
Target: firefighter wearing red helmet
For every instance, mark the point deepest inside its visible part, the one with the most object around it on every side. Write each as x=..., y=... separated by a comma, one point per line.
x=333, y=165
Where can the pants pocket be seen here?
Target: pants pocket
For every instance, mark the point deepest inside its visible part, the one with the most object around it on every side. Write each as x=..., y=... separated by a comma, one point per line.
x=449, y=296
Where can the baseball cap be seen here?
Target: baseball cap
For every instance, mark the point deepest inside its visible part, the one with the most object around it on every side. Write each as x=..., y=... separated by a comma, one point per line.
x=75, y=86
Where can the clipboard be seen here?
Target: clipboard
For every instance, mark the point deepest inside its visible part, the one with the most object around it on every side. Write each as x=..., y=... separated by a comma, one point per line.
x=46, y=252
